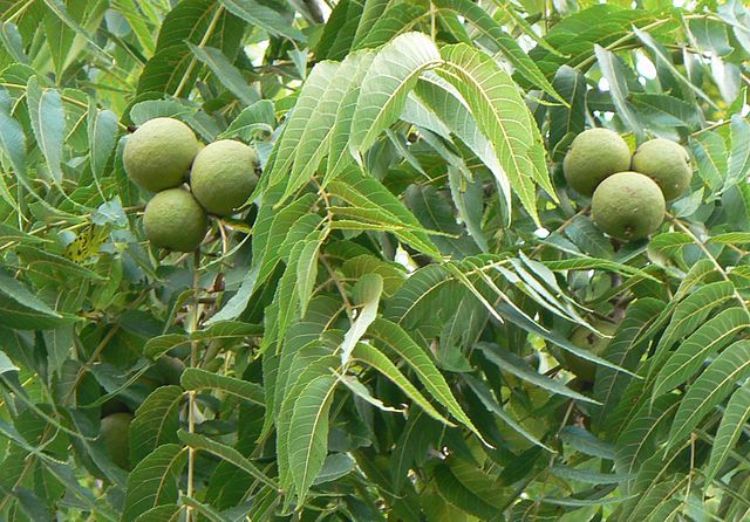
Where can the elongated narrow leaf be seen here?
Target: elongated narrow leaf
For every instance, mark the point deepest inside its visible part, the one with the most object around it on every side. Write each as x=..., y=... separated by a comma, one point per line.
x=707, y=340
x=451, y=109
x=514, y=314
x=739, y=157
x=661, y=57
x=397, y=18
x=511, y=363
x=313, y=91
x=690, y=314
x=502, y=116
x=392, y=74
x=257, y=13
x=197, y=379
x=625, y=349
x=459, y=495
x=338, y=155
x=397, y=340
x=585, y=442
x=375, y=358
x=615, y=72
x=733, y=422
x=225, y=72
x=308, y=365
x=369, y=290
x=638, y=439
x=487, y=26
x=587, y=476
x=153, y=482
x=226, y=453
x=13, y=145
x=155, y=423
x=271, y=228
x=48, y=122
x=374, y=201
x=102, y=140
x=485, y=396
x=173, y=67
x=710, y=388
x=308, y=439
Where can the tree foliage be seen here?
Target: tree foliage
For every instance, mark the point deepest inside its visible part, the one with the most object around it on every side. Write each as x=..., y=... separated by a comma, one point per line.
x=381, y=332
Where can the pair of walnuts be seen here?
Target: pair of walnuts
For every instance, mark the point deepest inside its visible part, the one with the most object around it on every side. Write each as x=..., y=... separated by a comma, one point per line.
x=629, y=194
x=163, y=154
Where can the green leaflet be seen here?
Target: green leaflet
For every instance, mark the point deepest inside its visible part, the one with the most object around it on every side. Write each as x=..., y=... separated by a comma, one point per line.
x=368, y=291
x=708, y=339
x=732, y=423
x=392, y=74
x=375, y=358
x=308, y=432
x=155, y=423
x=195, y=379
x=153, y=482
x=502, y=116
x=398, y=341
x=716, y=382
x=690, y=314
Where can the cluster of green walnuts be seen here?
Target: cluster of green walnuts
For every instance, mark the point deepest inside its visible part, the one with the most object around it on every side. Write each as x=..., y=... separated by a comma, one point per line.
x=629, y=193
x=190, y=180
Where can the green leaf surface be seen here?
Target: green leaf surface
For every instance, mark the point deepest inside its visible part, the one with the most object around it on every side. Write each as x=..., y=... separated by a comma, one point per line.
x=710, y=388
x=48, y=122
x=196, y=379
x=392, y=74
x=308, y=439
x=153, y=482
x=704, y=342
x=155, y=423
x=730, y=429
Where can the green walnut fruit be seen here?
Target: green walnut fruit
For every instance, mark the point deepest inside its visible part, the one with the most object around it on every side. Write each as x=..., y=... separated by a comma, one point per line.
x=114, y=434
x=588, y=340
x=170, y=369
x=628, y=206
x=593, y=155
x=173, y=219
x=158, y=155
x=223, y=176
x=667, y=163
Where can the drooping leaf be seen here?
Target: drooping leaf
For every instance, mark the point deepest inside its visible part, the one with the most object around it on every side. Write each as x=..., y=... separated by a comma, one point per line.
x=375, y=358
x=503, y=118
x=48, y=122
x=155, y=422
x=735, y=416
x=368, y=291
x=707, y=340
x=397, y=340
x=259, y=14
x=710, y=388
x=308, y=439
x=393, y=72
x=153, y=482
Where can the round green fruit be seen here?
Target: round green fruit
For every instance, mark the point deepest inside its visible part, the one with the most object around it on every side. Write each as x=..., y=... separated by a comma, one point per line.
x=667, y=163
x=170, y=369
x=223, y=176
x=159, y=154
x=594, y=155
x=173, y=219
x=588, y=340
x=114, y=434
x=628, y=206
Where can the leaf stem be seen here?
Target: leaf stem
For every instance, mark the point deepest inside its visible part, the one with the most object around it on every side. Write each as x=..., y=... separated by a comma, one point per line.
x=194, y=345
